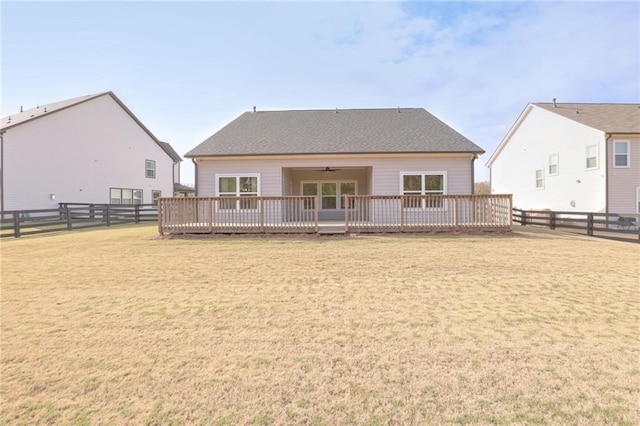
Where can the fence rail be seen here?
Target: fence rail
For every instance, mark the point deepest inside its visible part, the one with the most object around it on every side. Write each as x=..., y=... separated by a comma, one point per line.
x=610, y=225
x=70, y=216
x=362, y=213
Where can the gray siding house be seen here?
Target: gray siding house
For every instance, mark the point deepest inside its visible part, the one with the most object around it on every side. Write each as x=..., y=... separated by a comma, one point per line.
x=331, y=153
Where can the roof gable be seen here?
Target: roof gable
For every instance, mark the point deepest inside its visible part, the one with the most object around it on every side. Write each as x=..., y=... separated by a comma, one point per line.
x=351, y=131
x=23, y=117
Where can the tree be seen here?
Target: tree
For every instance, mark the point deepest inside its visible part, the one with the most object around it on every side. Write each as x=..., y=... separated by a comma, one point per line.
x=482, y=188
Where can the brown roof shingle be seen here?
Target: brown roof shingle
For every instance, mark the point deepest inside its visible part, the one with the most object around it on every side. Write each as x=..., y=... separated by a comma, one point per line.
x=610, y=118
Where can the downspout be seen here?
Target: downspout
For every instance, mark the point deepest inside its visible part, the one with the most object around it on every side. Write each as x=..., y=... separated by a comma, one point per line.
x=195, y=173
x=2, y=131
x=473, y=174
x=606, y=172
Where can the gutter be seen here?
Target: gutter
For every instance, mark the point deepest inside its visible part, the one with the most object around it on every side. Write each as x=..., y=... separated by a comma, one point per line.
x=607, y=137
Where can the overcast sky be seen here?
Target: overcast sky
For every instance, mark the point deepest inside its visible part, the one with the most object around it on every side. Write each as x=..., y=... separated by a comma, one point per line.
x=186, y=69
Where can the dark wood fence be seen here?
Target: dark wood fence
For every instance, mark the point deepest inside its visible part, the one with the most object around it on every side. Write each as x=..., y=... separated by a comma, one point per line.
x=69, y=216
x=608, y=225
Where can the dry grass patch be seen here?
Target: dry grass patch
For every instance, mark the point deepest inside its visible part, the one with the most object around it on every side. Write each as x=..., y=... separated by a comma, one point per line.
x=114, y=326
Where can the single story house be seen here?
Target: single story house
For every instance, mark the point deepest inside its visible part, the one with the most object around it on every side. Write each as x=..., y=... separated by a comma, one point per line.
x=90, y=149
x=582, y=157
x=327, y=154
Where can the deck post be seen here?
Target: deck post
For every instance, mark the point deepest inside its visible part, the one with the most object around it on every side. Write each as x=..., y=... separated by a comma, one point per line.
x=345, y=200
x=315, y=213
x=261, y=213
x=455, y=212
x=159, y=213
x=402, y=212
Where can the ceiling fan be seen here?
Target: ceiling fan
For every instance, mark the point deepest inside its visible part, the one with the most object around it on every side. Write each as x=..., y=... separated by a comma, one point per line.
x=327, y=170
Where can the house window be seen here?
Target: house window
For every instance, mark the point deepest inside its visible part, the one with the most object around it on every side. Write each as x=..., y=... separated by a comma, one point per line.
x=238, y=186
x=155, y=194
x=553, y=164
x=125, y=196
x=620, y=154
x=540, y=179
x=592, y=157
x=150, y=168
x=419, y=184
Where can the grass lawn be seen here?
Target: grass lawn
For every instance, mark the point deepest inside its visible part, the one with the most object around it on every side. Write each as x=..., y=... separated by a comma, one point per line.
x=113, y=326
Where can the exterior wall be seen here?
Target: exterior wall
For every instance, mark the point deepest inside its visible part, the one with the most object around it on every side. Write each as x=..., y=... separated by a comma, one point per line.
x=378, y=175
x=78, y=154
x=539, y=135
x=623, y=182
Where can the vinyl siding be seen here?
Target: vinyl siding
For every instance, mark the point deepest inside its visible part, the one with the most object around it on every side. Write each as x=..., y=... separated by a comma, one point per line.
x=379, y=175
x=78, y=154
x=539, y=135
x=623, y=181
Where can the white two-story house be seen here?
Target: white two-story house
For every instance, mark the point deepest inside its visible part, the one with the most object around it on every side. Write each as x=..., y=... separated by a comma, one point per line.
x=90, y=149
x=571, y=157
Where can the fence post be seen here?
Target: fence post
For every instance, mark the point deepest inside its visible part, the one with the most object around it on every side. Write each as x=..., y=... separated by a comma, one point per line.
x=16, y=224
x=261, y=212
x=552, y=220
x=345, y=200
x=523, y=217
x=92, y=211
x=402, y=212
x=68, y=215
x=137, y=213
x=108, y=215
x=590, y=224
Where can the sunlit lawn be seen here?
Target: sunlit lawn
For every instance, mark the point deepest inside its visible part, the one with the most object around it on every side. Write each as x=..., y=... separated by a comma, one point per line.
x=113, y=326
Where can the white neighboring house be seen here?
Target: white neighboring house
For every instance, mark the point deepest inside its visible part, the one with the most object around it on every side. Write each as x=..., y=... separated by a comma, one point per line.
x=571, y=157
x=90, y=149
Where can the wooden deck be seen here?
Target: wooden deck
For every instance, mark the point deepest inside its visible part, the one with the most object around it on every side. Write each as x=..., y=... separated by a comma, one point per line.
x=362, y=213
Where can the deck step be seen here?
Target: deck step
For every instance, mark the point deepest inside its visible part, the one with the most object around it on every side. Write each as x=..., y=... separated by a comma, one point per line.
x=331, y=229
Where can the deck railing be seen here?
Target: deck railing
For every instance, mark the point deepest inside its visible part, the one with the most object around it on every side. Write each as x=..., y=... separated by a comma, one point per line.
x=286, y=214
x=362, y=213
x=419, y=213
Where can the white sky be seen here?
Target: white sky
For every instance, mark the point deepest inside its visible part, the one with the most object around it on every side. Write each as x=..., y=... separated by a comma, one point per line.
x=186, y=69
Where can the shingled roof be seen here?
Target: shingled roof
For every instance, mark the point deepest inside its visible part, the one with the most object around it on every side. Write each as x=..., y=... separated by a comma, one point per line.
x=349, y=131
x=609, y=118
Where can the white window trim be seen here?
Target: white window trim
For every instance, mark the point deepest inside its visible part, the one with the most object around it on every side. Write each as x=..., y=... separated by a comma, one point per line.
x=597, y=157
x=539, y=188
x=338, y=193
x=238, y=176
x=628, y=154
x=422, y=189
x=557, y=164
x=154, y=200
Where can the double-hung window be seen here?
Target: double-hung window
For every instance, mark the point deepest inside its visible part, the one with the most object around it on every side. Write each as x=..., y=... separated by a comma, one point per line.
x=155, y=194
x=553, y=164
x=417, y=185
x=620, y=154
x=245, y=187
x=150, y=168
x=592, y=157
x=540, y=179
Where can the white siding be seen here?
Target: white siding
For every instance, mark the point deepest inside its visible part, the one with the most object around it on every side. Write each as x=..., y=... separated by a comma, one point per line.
x=378, y=175
x=78, y=154
x=624, y=181
x=541, y=134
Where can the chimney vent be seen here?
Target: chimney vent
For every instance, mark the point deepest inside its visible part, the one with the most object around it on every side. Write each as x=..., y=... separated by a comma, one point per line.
x=21, y=108
x=554, y=102
x=254, y=108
